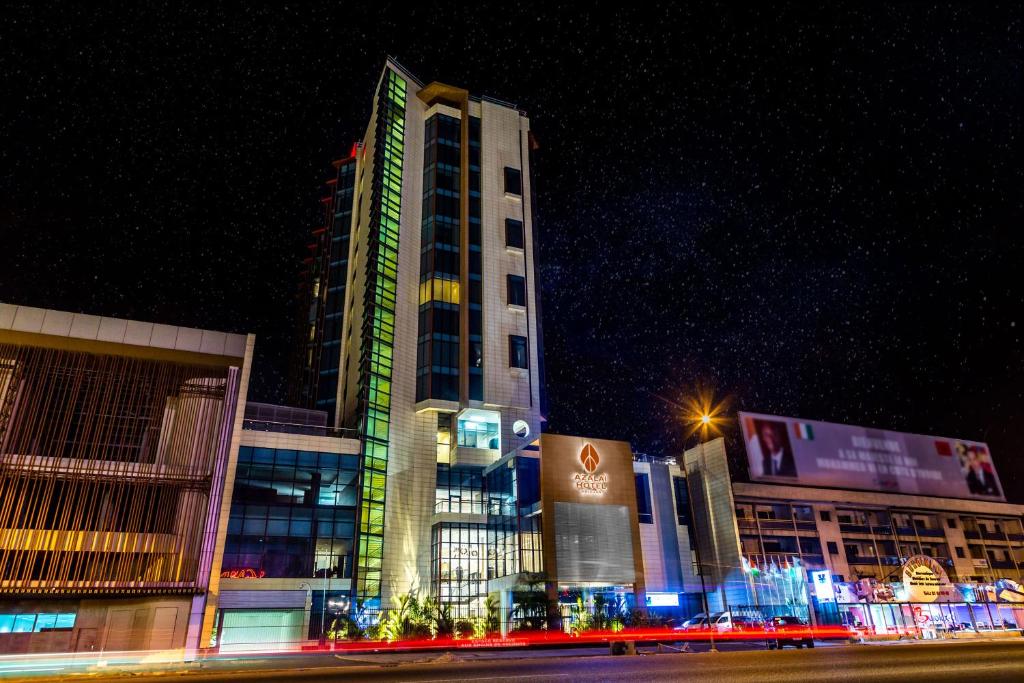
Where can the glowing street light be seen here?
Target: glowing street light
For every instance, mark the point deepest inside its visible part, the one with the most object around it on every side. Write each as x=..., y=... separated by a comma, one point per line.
x=703, y=415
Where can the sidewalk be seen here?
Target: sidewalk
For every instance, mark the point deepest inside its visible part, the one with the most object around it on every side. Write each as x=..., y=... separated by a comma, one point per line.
x=959, y=637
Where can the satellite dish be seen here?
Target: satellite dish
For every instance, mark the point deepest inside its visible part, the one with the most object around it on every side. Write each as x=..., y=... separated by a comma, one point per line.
x=521, y=429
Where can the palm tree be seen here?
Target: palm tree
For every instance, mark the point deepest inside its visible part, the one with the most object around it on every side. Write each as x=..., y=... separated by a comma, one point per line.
x=534, y=609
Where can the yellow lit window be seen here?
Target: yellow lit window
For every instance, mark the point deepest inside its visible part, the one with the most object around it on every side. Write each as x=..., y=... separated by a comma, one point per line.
x=438, y=289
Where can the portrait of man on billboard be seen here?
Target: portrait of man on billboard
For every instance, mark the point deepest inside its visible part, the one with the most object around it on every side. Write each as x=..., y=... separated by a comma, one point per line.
x=769, y=446
x=976, y=466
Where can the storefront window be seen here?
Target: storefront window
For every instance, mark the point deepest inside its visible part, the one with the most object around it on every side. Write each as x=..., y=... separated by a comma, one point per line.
x=34, y=623
x=459, y=567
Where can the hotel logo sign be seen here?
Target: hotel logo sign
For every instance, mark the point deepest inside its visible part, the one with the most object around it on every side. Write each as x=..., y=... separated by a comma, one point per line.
x=589, y=482
x=590, y=458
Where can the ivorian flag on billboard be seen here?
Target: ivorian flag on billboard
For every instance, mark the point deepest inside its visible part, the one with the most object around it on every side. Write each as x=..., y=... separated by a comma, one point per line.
x=811, y=453
x=803, y=430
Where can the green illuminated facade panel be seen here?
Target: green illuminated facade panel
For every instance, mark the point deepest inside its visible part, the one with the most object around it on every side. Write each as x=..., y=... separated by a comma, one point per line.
x=378, y=332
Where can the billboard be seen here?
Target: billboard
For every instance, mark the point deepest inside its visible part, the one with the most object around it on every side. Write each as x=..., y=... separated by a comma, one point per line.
x=809, y=453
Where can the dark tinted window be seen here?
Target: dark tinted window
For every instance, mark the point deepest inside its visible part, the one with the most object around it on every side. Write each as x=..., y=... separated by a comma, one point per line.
x=517, y=357
x=682, y=501
x=514, y=233
x=643, y=499
x=528, y=480
x=516, y=290
x=513, y=181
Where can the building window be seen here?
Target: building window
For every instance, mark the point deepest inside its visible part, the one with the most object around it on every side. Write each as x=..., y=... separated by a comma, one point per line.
x=459, y=566
x=293, y=515
x=950, y=522
x=643, y=499
x=833, y=549
x=825, y=515
x=960, y=553
x=514, y=234
x=682, y=501
x=459, y=490
x=513, y=181
x=479, y=429
x=516, y=290
x=803, y=513
x=36, y=623
x=444, y=438
x=517, y=357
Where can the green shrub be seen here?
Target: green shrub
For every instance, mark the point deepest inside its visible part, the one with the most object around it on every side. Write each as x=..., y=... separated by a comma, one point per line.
x=465, y=628
x=491, y=623
x=345, y=628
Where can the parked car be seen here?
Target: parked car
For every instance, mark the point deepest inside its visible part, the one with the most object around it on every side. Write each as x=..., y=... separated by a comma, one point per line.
x=783, y=631
x=741, y=622
x=721, y=622
x=698, y=622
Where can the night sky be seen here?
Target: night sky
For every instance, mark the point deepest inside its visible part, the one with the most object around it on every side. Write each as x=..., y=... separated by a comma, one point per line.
x=814, y=213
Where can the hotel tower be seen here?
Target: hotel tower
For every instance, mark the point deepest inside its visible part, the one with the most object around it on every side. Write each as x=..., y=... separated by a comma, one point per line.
x=420, y=328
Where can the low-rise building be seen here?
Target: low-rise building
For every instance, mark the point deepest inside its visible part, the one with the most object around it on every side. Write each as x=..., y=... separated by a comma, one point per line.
x=893, y=532
x=286, y=572
x=116, y=438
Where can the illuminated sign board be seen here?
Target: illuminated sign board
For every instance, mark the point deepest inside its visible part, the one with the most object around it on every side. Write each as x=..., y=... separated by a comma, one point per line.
x=588, y=481
x=662, y=599
x=924, y=580
x=809, y=453
x=243, y=573
x=823, y=588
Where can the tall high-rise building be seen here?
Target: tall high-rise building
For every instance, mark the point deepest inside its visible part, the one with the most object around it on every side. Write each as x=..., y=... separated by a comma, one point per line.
x=321, y=291
x=422, y=328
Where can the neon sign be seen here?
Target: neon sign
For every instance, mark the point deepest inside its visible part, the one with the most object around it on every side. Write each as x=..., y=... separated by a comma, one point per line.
x=243, y=573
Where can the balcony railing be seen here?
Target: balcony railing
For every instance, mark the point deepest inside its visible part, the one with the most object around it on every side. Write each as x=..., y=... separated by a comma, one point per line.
x=933, y=533
x=776, y=524
x=1001, y=564
x=888, y=560
x=297, y=428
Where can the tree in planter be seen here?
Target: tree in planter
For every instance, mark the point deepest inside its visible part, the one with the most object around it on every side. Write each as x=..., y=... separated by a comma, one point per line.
x=345, y=627
x=438, y=617
x=405, y=620
x=596, y=617
x=465, y=628
x=492, y=620
x=533, y=609
x=601, y=621
x=582, y=619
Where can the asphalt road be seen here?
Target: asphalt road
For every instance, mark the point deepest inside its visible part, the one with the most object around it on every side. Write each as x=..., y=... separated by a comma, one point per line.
x=931, y=662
